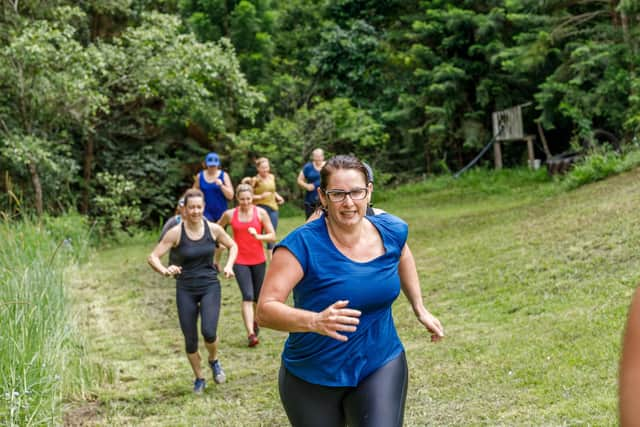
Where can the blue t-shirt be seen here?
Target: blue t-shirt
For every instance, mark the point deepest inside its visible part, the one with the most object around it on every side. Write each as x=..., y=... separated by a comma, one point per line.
x=311, y=175
x=214, y=201
x=370, y=287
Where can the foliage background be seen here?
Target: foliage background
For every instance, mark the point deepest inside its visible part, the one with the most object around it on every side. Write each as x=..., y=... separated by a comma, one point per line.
x=142, y=89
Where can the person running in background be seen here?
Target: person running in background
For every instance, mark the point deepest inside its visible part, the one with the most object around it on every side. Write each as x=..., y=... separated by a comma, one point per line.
x=309, y=180
x=251, y=227
x=197, y=285
x=175, y=219
x=343, y=362
x=216, y=186
x=172, y=222
x=265, y=194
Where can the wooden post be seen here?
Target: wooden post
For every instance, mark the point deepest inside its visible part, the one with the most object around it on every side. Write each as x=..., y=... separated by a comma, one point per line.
x=497, y=155
x=543, y=139
x=530, y=154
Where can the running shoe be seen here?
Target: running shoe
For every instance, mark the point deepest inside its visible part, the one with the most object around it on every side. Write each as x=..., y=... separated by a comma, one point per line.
x=218, y=374
x=256, y=328
x=253, y=340
x=198, y=385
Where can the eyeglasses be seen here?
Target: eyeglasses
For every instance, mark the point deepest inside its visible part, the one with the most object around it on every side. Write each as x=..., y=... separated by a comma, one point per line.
x=339, y=195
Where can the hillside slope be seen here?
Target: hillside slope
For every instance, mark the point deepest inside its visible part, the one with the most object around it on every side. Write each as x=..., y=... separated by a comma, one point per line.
x=531, y=284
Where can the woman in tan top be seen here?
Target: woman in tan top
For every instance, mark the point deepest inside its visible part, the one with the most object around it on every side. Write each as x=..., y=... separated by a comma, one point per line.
x=265, y=194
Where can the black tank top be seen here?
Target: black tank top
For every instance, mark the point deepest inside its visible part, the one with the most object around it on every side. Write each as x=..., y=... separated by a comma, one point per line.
x=196, y=259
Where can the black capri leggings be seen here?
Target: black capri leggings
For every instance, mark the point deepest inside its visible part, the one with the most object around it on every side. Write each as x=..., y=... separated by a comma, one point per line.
x=377, y=401
x=189, y=302
x=250, y=279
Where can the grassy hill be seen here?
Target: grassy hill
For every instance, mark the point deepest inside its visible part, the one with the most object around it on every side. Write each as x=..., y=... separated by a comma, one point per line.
x=532, y=284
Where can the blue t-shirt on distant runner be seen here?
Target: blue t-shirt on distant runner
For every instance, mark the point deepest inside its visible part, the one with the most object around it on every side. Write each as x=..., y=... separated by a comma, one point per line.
x=370, y=287
x=311, y=175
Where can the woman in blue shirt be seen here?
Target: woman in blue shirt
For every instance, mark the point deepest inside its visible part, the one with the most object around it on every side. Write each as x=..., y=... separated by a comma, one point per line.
x=216, y=186
x=343, y=361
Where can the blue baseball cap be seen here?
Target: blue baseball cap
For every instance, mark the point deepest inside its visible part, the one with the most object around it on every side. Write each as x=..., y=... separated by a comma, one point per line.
x=212, y=159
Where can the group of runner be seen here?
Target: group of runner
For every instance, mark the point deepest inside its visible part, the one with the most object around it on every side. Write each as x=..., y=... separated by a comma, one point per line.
x=196, y=234
x=343, y=362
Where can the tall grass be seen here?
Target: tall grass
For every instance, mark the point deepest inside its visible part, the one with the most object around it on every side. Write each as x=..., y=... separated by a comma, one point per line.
x=41, y=356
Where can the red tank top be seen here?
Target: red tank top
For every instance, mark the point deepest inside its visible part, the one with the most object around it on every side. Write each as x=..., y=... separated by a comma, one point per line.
x=250, y=250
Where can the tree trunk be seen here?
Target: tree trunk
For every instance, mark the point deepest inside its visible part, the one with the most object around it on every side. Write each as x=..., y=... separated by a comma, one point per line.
x=37, y=187
x=615, y=18
x=428, y=162
x=87, y=172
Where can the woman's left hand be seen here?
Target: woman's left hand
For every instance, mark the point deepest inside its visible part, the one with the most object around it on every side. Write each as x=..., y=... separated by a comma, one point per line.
x=433, y=325
x=279, y=199
x=228, y=272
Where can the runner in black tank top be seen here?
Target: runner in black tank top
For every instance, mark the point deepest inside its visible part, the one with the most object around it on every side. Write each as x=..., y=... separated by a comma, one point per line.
x=196, y=259
x=197, y=285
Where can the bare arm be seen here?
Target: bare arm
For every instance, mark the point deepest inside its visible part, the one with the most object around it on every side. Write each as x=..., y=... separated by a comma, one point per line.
x=168, y=241
x=269, y=234
x=302, y=182
x=227, y=186
x=258, y=197
x=629, y=375
x=279, y=198
x=226, y=240
x=283, y=275
x=411, y=287
x=225, y=219
x=196, y=181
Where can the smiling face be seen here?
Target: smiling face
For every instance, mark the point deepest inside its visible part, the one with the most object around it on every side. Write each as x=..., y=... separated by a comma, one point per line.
x=347, y=212
x=194, y=208
x=317, y=156
x=264, y=168
x=245, y=200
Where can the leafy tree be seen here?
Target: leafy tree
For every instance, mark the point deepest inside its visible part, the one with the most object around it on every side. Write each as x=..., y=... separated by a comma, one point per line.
x=162, y=85
x=248, y=24
x=454, y=85
x=348, y=63
x=336, y=126
x=47, y=86
x=584, y=50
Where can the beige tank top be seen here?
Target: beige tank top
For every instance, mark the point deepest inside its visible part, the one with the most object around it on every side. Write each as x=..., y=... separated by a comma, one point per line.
x=263, y=186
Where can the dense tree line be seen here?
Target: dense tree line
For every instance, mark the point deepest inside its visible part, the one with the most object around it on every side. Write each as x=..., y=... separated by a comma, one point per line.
x=109, y=106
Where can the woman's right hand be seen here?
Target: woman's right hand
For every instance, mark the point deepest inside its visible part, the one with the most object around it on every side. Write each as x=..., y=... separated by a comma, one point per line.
x=336, y=318
x=173, y=270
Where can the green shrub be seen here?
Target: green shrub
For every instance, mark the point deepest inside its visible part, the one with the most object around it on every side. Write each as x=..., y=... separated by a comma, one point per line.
x=600, y=164
x=117, y=207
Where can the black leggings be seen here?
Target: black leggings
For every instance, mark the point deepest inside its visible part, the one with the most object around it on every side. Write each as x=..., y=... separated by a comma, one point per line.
x=189, y=302
x=249, y=278
x=377, y=401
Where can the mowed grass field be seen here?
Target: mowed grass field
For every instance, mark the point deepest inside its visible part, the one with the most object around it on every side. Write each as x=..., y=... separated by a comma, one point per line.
x=531, y=283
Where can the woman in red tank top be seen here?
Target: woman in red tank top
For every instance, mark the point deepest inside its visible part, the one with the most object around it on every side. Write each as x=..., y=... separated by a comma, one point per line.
x=251, y=227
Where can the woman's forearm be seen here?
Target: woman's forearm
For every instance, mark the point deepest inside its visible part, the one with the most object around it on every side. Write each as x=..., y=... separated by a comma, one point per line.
x=410, y=281
x=282, y=317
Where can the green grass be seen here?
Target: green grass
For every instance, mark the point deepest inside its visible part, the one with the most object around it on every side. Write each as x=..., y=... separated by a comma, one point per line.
x=532, y=284
x=42, y=356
